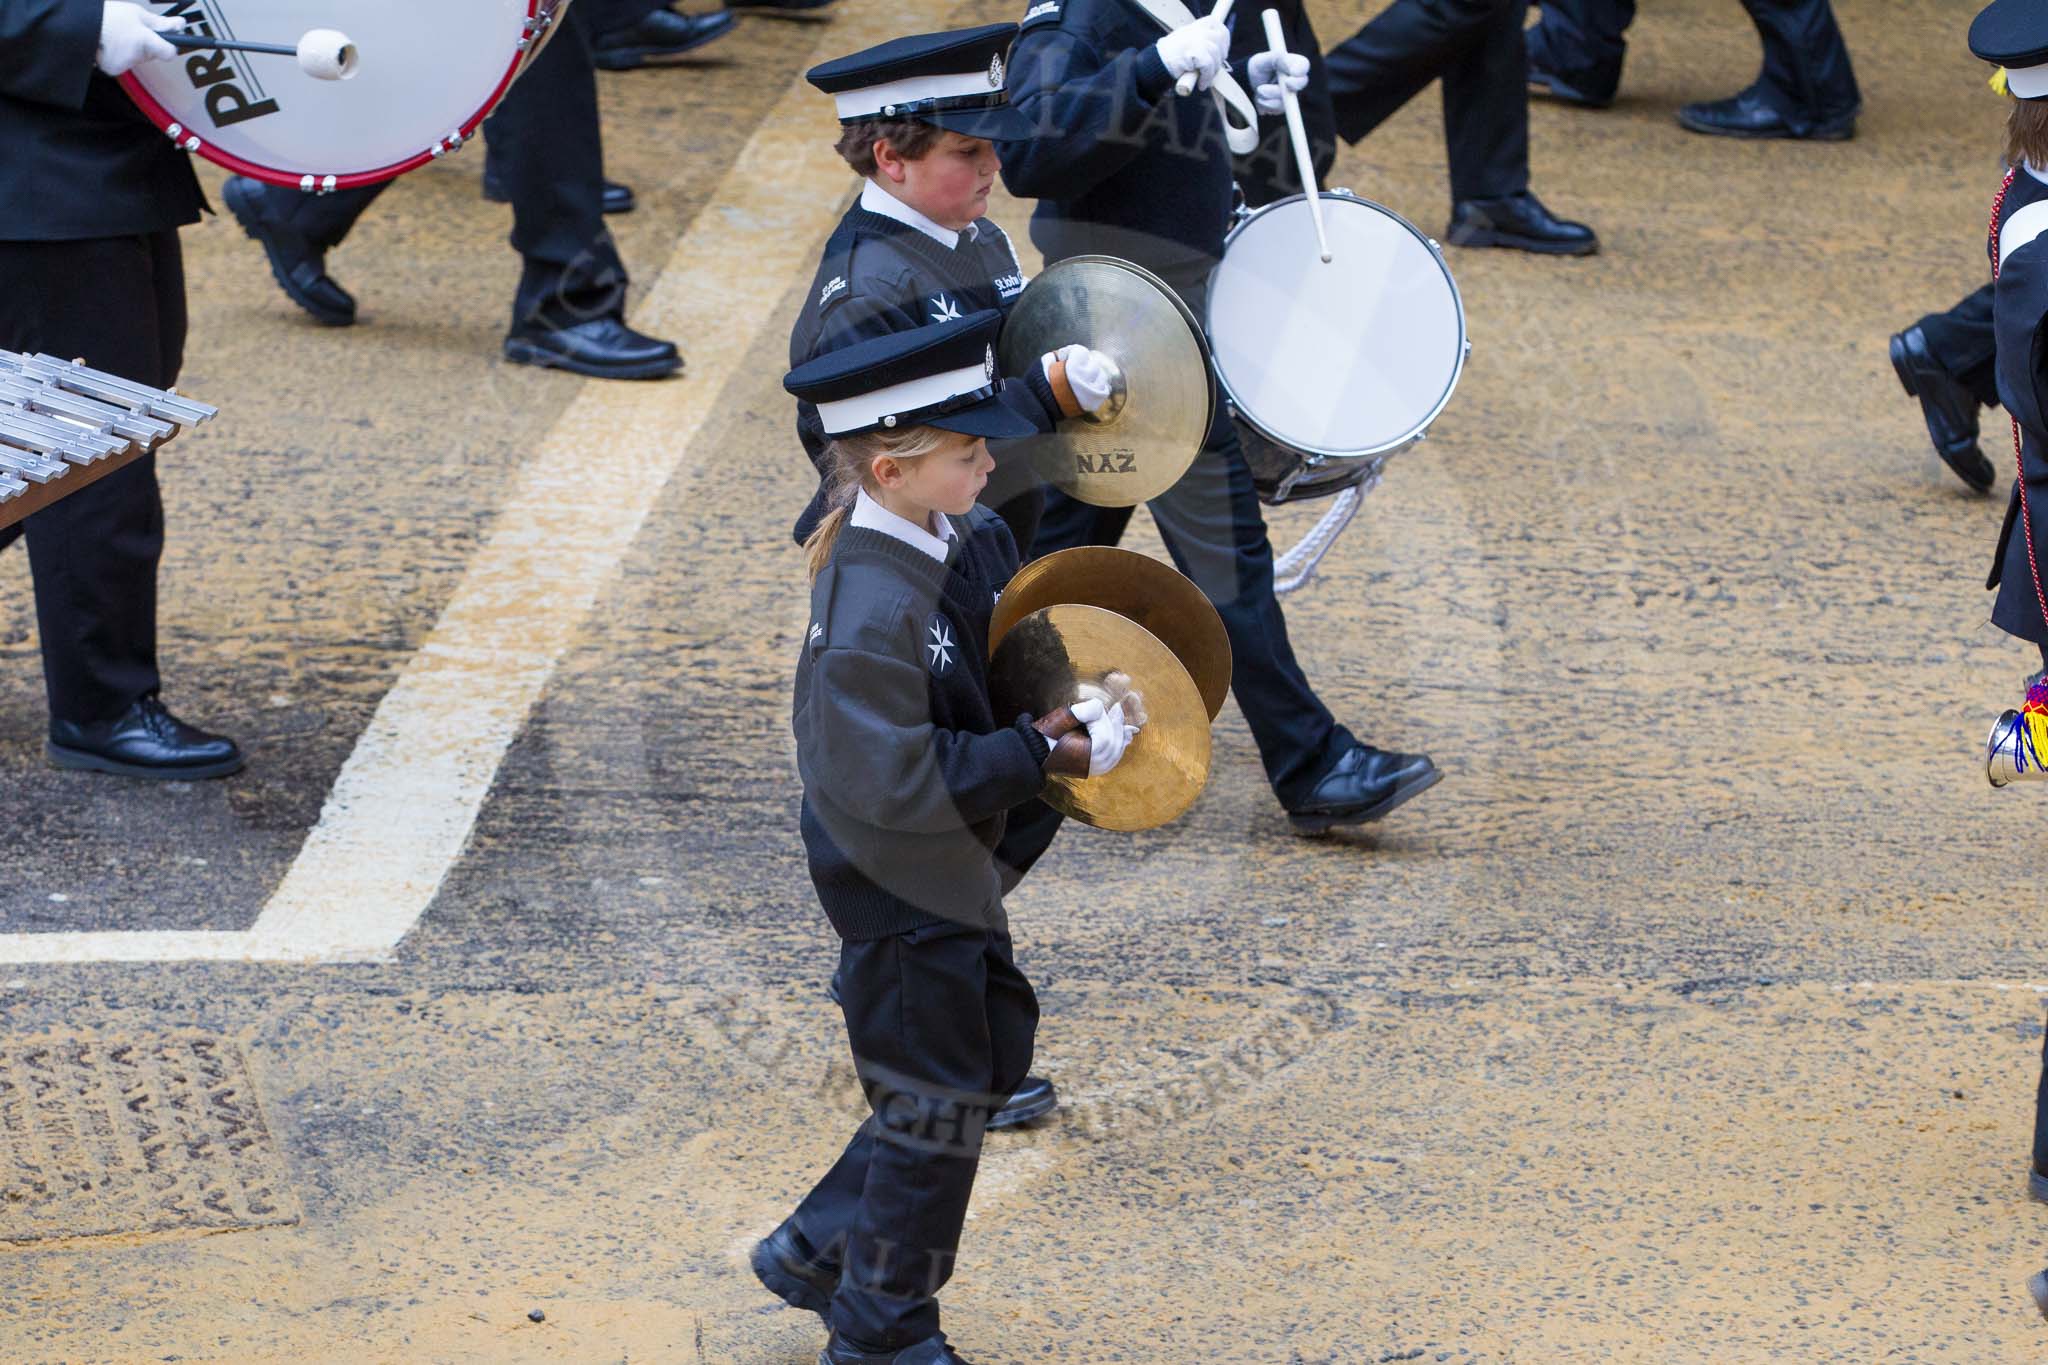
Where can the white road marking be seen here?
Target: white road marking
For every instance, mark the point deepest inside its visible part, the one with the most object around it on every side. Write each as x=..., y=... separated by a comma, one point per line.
x=405, y=801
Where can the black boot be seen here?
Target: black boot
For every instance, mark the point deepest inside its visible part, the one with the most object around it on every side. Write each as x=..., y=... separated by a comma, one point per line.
x=1950, y=409
x=662, y=36
x=603, y=348
x=794, y=1273
x=1366, y=784
x=298, y=266
x=1519, y=221
x=144, y=741
x=1750, y=115
x=933, y=1350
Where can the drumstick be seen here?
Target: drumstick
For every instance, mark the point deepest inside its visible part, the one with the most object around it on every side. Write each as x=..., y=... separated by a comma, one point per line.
x=323, y=53
x=1186, y=84
x=1299, y=132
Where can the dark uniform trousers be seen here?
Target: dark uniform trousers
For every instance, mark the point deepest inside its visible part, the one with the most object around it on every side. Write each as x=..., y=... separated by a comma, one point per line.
x=119, y=304
x=1965, y=343
x=544, y=146
x=941, y=1024
x=1476, y=47
x=1807, y=75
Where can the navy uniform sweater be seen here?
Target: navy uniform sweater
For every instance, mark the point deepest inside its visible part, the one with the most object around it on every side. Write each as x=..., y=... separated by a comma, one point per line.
x=878, y=277
x=907, y=772
x=1119, y=163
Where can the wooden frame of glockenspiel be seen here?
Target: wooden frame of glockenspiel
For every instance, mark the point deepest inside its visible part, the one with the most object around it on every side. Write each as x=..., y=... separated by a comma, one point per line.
x=65, y=426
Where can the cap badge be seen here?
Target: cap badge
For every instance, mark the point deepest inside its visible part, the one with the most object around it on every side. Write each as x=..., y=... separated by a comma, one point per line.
x=995, y=72
x=988, y=364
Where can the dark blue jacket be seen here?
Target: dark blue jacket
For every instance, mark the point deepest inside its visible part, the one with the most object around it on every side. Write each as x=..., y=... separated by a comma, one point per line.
x=1119, y=163
x=2020, y=317
x=907, y=772
x=77, y=158
x=879, y=277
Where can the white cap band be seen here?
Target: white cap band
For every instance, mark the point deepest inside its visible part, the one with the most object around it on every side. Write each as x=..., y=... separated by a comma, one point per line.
x=2027, y=82
x=869, y=409
x=886, y=98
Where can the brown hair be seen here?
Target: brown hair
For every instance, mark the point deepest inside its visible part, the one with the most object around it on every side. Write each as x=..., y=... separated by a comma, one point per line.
x=2026, y=133
x=846, y=462
x=910, y=138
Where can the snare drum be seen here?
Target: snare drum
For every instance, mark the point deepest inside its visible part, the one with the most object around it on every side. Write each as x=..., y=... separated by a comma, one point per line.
x=1330, y=368
x=429, y=74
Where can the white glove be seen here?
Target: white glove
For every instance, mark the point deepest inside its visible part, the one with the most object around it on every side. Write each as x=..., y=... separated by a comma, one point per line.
x=128, y=37
x=1271, y=73
x=1201, y=47
x=1108, y=733
x=1087, y=374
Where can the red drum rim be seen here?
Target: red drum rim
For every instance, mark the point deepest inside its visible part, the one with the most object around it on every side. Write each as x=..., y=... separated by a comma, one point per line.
x=188, y=140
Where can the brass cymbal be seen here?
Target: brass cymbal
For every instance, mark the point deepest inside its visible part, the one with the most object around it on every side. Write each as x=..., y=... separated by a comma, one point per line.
x=1139, y=587
x=1043, y=660
x=1161, y=400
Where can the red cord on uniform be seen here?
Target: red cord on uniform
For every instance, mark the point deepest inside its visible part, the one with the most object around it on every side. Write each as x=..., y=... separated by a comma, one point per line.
x=2019, y=460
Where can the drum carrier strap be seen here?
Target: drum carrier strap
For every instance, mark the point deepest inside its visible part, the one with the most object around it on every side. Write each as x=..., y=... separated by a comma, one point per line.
x=1243, y=137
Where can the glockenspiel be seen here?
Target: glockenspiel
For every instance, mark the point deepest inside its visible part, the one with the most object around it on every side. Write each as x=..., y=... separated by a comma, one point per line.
x=64, y=425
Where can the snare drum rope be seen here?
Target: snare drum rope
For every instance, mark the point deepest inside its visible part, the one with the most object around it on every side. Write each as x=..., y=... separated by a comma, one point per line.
x=1295, y=568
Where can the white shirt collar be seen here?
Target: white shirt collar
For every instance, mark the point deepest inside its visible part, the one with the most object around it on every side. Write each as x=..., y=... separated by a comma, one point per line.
x=875, y=199
x=871, y=515
x=2037, y=172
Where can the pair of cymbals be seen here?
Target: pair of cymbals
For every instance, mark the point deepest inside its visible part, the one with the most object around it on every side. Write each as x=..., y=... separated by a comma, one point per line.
x=1071, y=620
x=1138, y=443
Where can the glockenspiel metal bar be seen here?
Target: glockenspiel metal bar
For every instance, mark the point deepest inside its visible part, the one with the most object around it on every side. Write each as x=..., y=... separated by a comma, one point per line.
x=110, y=388
x=11, y=487
x=29, y=465
x=50, y=436
x=37, y=396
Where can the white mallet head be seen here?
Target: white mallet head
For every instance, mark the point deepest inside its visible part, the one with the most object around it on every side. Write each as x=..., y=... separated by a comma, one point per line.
x=326, y=54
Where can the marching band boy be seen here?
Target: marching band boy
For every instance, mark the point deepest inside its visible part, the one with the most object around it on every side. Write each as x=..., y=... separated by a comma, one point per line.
x=916, y=117
x=907, y=775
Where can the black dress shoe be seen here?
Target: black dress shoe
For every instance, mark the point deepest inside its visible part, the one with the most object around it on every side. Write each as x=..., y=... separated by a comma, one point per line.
x=785, y=1263
x=1563, y=91
x=2037, y=1185
x=1033, y=1099
x=603, y=348
x=1519, y=221
x=145, y=741
x=617, y=198
x=933, y=1350
x=1365, y=785
x=1949, y=407
x=1750, y=115
x=299, y=267
x=662, y=36
x=2037, y=1285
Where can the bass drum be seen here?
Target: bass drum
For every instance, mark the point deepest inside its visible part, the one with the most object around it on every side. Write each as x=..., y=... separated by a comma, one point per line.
x=1330, y=368
x=429, y=74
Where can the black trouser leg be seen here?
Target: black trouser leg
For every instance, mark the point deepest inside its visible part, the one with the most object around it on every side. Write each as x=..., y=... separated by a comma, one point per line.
x=610, y=16
x=1963, y=342
x=1486, y=110
x=118, y=303
x=553, y=172
x=1806, y=73
x=322, y=219
x=2041, y=1089
x=1580, y=41
x=942, y=1024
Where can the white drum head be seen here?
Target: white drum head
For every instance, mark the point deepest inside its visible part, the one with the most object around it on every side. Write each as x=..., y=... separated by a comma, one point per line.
x=1351, y=358
x=428, y=71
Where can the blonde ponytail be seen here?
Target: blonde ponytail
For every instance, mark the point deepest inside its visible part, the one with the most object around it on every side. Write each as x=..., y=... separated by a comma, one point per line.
x=846, y=473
